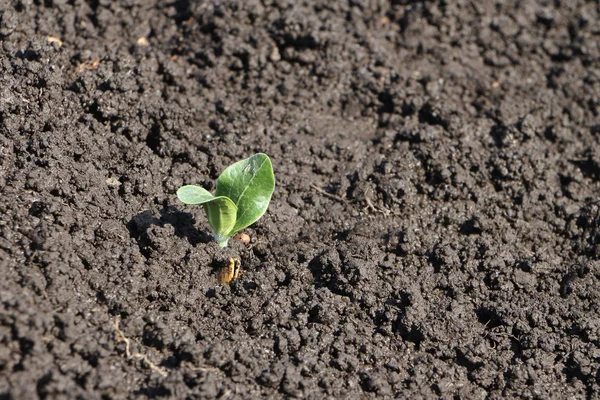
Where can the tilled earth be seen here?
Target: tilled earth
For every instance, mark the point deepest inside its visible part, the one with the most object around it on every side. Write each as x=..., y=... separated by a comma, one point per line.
x=434, y=233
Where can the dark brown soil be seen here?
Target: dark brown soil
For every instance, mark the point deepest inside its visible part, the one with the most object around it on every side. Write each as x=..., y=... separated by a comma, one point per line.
x=434, y=232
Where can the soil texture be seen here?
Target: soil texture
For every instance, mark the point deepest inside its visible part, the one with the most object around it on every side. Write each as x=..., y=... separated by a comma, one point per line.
x=434, y=232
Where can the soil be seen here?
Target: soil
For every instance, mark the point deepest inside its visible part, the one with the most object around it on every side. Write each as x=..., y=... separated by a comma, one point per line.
x=434, y=233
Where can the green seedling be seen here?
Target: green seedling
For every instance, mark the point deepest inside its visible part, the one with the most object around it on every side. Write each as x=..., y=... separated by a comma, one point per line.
x=242, y=196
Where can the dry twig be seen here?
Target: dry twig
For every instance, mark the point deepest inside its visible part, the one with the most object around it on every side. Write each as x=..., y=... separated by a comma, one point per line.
x=328, y=195
x=372, y=207
x=136, y=356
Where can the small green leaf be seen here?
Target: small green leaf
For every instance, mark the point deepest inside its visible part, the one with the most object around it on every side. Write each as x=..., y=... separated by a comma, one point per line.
x=192, y=194
x=221, y=211
x=249, y=184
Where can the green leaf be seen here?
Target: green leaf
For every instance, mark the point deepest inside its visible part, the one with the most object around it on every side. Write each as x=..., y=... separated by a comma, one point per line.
x=220, y=210
x=221, y=213
x=249, y=184
x=192, y=194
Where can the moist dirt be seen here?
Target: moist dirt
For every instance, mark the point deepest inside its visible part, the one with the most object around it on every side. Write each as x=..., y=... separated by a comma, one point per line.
x=434, y=232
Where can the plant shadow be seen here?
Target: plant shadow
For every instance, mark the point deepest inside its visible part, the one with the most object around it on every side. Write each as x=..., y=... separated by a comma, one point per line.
x=182, y=222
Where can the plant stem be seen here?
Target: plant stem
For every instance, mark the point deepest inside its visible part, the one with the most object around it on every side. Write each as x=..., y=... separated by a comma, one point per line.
x=222, y=241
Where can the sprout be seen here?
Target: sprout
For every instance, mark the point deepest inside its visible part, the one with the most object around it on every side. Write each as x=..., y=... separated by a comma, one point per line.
x=243, y=194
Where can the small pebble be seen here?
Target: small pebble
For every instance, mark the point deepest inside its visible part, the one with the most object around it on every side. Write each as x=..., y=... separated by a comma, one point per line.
x=242, y=237
x=142, y=42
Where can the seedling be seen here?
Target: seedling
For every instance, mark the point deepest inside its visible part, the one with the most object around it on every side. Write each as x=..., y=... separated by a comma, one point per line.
x=242, y=196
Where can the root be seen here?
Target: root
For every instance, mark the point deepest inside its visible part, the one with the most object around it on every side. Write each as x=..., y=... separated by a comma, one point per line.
x=136, y=356
x=372, y=207
x=328, y=195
